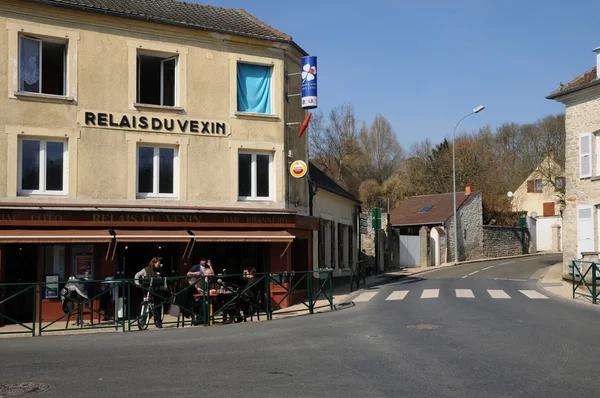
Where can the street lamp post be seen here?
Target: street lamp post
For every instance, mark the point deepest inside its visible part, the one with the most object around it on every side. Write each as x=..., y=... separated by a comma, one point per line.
x=476, y=110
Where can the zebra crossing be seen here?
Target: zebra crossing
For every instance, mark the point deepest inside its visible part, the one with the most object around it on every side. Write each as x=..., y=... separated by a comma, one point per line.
x=428, y=294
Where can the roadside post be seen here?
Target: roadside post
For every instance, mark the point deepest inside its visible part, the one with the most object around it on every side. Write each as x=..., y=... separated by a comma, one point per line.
x=376, y=223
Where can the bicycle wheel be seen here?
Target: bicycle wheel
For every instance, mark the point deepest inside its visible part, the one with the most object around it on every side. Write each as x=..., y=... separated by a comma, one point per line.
x=144, y=318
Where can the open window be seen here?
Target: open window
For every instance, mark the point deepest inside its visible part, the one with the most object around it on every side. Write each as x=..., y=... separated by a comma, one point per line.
x=156, y=79
x=254, y=88
x=42, y=65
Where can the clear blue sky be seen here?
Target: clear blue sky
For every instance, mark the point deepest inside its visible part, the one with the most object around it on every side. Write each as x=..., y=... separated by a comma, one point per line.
x=424, y=64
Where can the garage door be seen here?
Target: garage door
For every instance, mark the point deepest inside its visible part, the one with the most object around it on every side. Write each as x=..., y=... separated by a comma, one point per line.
x=410, y=251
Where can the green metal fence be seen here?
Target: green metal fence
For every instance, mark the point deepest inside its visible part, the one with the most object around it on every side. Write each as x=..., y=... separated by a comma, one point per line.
x=203, y=300
x=357, y=276
x=585, y=273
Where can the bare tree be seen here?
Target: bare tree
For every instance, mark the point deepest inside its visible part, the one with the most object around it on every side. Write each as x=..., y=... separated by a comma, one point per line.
x=370, y=193
x=381, y=151
x=334, y=143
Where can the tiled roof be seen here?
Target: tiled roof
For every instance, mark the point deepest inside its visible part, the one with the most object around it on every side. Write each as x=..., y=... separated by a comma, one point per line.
x=589, y=78
x=324, y=182
x=407, y=212
x=216, y=19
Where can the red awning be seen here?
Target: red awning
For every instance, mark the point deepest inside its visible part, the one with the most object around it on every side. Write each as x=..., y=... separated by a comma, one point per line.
x=242, y=236
x=55, y=236
x=152, y=236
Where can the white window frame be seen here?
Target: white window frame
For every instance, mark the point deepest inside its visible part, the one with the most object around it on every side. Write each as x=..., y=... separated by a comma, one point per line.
x=65, y=63
x=42, y=172
x=253, y=179
x=155, y=172
x=588, y=136
x=163, y=58
x=271, y=88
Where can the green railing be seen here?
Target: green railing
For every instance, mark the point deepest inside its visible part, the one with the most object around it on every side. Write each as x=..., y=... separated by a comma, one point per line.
x=18, y=295
x=358, y=276
x=265, y=294
x=585, y=273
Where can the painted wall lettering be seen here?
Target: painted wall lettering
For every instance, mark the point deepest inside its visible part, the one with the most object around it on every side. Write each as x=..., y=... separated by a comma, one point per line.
x=158, y=124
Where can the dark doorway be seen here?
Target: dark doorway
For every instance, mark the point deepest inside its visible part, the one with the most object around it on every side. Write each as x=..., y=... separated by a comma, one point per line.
x=133, y=257
x=20, y=267
x=233, y=257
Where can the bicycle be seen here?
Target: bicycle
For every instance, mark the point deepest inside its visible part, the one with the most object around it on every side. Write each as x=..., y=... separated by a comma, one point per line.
x=147, y=310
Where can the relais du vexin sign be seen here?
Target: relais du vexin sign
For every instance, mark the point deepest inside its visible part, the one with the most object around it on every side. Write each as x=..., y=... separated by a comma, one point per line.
x=309, y=82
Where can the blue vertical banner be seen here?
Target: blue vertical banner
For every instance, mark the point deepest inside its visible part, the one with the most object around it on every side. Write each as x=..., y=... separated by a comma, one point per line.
x=309, y=82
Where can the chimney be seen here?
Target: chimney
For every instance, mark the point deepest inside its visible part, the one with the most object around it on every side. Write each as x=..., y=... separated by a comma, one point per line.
x=467, y=190
x=597, y=51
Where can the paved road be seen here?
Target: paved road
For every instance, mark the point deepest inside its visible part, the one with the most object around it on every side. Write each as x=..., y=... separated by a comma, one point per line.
x=418, y=346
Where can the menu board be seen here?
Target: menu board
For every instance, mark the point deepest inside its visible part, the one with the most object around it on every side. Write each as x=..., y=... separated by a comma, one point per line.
x=51, y=287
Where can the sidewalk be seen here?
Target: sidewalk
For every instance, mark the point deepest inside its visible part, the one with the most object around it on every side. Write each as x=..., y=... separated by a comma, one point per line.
x=553, y=282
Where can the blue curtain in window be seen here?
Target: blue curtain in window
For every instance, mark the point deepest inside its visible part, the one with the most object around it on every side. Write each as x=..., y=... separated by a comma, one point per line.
x=254, y=88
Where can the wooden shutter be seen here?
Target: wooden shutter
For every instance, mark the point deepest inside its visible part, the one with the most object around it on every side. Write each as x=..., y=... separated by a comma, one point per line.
x=332, y=226
x=321, y=244
x=585, y=155
x=350, y=246
x=530, y=186
x=549, y=209
x=585, y=229
x=340, y=245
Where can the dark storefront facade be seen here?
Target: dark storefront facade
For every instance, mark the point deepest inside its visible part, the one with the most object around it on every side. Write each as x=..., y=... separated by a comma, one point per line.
x=37, y=242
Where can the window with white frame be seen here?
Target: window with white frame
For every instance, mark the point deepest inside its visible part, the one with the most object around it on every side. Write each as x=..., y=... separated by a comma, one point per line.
x=254, y=88
x=254, y=176
x=156, y=172
x=43, y=167
x=42, y=65
x=156, y=79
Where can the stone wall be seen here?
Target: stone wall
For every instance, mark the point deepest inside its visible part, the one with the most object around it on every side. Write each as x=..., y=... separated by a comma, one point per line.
x=367, y=244
x=470, y=233
x=502, y=241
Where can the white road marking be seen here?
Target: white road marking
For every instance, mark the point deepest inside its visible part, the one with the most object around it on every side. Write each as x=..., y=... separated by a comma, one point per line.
x=430, y=293
x=508, y=262
x=491, y=266
x=472, y=273
x=464, y=293
x=464, y=276
x=366, y=296
x=498, y=294
x=397, y=295
x=533, y=294
x=514, y=280
x=531, y=259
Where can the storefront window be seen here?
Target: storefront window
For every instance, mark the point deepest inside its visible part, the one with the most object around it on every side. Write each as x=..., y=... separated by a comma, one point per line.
x=54, y=261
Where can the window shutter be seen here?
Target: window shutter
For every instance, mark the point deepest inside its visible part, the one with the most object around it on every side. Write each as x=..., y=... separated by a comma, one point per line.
x=351, y=246
x=585, y=229
x=332, y=244
x=321, y=244
x=340, y=245
x=530, y=186
x=548, y=209
x=585, y=155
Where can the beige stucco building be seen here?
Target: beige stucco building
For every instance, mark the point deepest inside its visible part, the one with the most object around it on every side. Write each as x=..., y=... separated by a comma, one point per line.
x=138, y=129
x=540, y=195
x=337, y=240
x=582, y=166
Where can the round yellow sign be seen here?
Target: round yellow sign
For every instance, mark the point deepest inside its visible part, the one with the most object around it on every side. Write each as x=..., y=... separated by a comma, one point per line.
x=298, y=169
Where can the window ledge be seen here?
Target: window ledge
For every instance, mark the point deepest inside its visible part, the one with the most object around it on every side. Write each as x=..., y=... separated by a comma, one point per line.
x=164, y=108
x=260, y=116
x=596, y=178
x=23, y=95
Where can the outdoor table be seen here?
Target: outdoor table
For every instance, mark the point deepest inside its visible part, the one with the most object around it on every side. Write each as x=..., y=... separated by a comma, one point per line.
x=210, y=302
